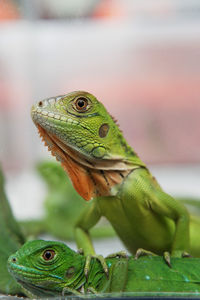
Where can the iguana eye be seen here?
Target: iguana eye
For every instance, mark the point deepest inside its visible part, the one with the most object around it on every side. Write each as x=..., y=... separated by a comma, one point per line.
x=48, y=254
x=81, y=104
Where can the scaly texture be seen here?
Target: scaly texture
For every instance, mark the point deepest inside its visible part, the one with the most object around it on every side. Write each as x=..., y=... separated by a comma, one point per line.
x=47, y=268
x=102, y=166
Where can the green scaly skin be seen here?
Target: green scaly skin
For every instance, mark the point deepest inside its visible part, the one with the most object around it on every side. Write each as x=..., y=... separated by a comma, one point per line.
x=47, y=268
x=64, y=274
x=141, y=213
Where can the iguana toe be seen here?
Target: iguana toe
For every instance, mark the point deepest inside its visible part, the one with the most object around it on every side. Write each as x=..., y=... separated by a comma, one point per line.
x=142, y=252
x=166, y=256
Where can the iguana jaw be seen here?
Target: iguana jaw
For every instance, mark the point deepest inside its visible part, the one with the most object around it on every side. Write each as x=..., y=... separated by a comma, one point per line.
x=31, y=280
x=91, y=178
x=36, y=290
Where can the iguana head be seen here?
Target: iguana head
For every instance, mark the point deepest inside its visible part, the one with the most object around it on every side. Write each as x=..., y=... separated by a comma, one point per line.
x=87, y=141
x=45, y=268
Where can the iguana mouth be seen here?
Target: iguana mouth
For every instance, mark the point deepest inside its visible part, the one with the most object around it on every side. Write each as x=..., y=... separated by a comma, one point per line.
x=90, y=178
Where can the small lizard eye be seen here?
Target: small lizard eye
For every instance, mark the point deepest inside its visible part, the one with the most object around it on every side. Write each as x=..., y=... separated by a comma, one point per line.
x=14, y=259
x=81, y=104
x=48, y=254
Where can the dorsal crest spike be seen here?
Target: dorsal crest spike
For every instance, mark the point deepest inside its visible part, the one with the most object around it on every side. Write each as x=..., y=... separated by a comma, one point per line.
x=114, y=119
x=116, y=122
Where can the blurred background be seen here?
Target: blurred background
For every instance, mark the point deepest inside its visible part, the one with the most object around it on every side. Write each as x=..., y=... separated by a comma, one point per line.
x=140, y=58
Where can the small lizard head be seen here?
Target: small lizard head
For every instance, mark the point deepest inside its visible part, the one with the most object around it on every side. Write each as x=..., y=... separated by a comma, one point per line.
x=44, y=268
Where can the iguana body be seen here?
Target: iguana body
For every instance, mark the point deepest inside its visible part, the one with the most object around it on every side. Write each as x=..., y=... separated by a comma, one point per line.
x=47, y=268
x=102, y=166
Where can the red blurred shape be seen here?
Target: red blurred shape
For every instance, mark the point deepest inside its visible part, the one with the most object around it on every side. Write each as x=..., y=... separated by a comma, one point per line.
x=108, y=9
x=8, y=10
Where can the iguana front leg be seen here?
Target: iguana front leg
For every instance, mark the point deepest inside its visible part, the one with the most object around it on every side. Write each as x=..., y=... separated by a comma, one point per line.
x=146, y=204
x=176, y=211
x=87, y=220
x=165, y=205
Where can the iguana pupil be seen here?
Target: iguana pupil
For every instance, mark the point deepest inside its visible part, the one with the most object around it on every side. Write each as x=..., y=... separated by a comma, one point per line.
x=81, y=104
x=48, y=254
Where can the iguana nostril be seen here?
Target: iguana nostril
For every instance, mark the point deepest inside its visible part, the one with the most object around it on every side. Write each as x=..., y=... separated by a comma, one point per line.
x=40, y=103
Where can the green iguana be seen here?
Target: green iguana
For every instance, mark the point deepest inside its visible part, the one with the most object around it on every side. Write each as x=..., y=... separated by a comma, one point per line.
x=103, y=168
x=46, y=269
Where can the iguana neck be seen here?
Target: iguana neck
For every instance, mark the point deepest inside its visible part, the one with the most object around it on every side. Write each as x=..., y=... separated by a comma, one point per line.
x=97, y=279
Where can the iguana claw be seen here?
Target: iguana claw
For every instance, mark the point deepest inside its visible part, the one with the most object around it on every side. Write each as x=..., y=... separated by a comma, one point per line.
x=186, y=254
x=167, y=256
x=102, y=261
x=142, y=252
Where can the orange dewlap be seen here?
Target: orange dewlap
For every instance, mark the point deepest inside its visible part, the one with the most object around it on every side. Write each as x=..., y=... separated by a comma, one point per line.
x=88, y=182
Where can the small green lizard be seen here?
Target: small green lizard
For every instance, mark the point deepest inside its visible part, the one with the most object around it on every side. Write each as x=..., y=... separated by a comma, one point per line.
x=103, y=168
x=47, y=268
